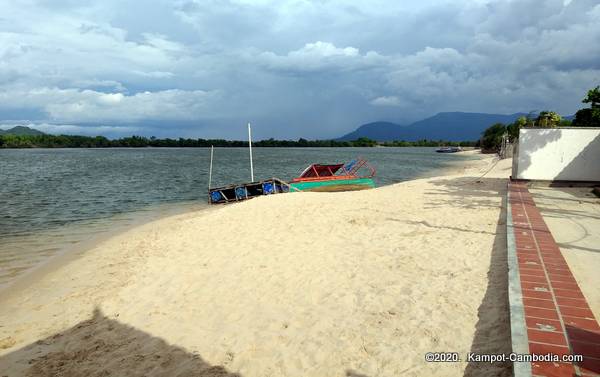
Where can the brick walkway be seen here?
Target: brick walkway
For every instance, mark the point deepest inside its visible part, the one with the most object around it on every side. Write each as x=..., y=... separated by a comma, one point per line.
x=557, y=317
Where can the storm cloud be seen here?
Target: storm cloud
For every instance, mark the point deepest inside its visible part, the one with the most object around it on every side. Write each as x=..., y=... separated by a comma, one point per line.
x=313, y=69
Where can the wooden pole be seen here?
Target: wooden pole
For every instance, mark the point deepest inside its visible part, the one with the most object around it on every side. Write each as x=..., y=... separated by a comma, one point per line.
x=210, y=170
x=250, y=147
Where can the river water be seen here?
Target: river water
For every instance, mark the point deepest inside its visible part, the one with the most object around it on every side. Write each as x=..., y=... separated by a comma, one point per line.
x=53, y=199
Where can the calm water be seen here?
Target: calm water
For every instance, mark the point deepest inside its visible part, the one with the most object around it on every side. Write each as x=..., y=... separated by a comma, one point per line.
x=51, y=198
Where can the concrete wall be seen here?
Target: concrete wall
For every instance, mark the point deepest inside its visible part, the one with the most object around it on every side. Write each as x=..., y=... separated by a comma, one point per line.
x=558, y=154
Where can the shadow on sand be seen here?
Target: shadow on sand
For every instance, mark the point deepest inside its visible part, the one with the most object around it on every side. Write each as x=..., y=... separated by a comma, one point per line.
x=102, y=346
x=469, y=192
x=492, y=331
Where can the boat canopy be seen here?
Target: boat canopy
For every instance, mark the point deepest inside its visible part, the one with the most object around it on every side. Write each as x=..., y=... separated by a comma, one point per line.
x=320, y=170
x=329, y=170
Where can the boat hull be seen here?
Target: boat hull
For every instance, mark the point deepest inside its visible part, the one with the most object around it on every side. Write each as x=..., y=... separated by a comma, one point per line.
x=333, y=185
x=449, y=150
x=244, y=191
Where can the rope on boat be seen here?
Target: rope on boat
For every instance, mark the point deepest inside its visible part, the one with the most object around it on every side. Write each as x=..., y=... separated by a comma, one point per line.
x=287, y=184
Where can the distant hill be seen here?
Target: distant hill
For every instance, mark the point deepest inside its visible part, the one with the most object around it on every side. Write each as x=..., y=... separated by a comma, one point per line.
x=379, y=131
x=21, y=131
x=452, y=126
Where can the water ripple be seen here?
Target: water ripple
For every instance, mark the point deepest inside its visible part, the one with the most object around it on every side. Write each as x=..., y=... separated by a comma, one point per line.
x=51, y=198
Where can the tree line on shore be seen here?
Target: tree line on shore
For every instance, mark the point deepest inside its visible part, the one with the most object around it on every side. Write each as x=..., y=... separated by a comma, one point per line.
x=586, y=117
x=75, y=141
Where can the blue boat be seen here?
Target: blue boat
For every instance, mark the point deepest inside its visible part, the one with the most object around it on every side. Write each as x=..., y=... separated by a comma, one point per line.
x=244, y=191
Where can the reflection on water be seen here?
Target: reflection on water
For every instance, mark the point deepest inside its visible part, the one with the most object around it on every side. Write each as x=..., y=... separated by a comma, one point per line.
x=53, y=198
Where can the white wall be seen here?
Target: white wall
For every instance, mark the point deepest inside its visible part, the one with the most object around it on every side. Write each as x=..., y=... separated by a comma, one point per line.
x=558, y=154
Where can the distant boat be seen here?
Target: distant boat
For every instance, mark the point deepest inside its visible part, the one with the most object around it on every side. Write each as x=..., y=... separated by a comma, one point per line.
x=449, y=150
x=335, y=177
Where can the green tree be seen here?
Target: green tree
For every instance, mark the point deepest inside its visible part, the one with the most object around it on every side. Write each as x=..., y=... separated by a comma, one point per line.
x=492, y=137
x=565, y=123
x=593, y=97
x=364, y=142
x=514, y=127
x=589, y=117
x=584, y=118
x=547, y=119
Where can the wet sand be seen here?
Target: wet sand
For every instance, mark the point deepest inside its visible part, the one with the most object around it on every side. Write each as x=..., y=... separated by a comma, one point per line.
x=22, y=255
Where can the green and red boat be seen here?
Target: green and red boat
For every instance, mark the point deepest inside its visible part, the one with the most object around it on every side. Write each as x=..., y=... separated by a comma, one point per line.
x=316, y=177
x=335, y=177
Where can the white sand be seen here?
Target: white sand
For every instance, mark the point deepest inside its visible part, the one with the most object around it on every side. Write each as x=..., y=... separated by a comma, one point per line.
x=311, y=284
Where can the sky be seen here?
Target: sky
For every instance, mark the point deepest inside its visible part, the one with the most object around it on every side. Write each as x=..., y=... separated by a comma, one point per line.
x=312, y=69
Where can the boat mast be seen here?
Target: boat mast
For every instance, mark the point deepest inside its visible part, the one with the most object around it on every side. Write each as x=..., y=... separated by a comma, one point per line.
x=250, y=147
x=210, y=171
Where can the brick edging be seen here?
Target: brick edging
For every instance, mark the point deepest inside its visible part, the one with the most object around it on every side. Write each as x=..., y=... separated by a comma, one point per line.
x=518, y=328
x=545, y=298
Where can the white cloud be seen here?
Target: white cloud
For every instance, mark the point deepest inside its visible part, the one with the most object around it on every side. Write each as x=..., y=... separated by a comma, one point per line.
x=320, y=56
x=154, y=74
x=386, y=101
x=162, y=42
x=323, y=50
x=72, y=105
x=320, y=68
x=47, y=48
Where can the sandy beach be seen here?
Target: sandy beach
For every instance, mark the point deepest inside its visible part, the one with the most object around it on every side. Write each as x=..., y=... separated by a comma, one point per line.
x=313, y=284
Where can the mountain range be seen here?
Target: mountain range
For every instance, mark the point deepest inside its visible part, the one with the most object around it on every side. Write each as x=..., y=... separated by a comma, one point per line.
x=451, y=126
x=448, y=126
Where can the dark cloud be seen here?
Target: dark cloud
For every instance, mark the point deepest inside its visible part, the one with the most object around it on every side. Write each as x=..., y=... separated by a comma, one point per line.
x=313, y=69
